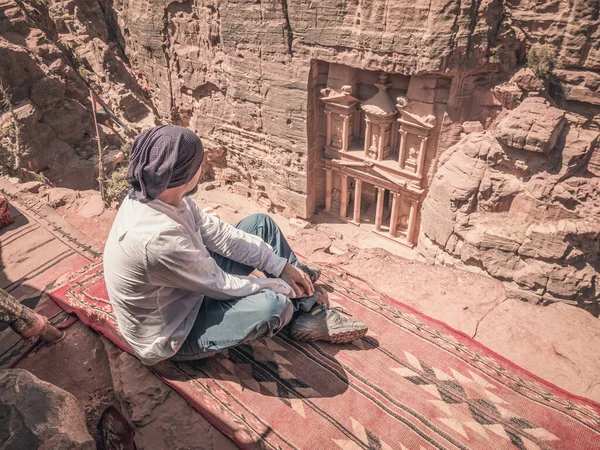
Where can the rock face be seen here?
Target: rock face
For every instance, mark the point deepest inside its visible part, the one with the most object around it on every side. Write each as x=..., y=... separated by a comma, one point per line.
x=47, y=81
x=533, y=126
x=240, y=72
x=246, y=77
x=521, y=205
x=36, y=414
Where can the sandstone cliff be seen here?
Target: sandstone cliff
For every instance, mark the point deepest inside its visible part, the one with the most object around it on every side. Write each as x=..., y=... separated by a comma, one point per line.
x=246, y=76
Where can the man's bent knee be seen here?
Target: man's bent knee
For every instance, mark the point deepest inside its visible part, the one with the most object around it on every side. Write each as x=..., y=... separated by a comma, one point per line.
x=278, y=311
x=257, y=221
x=261, y=219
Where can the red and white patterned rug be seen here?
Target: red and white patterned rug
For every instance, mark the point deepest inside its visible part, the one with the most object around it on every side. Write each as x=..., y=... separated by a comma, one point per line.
x=411, y=383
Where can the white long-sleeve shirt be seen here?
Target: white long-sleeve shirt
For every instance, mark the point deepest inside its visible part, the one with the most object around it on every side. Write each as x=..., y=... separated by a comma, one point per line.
x=158, y=270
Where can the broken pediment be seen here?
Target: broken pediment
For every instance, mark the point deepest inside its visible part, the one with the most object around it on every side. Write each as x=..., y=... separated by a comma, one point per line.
x=343, y=99
x=413, y=122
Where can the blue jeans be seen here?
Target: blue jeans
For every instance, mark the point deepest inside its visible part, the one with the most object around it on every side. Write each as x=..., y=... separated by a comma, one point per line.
x=222, y=324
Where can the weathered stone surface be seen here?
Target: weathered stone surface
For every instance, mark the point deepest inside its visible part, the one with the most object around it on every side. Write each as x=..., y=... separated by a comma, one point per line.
x=312, y=241
x=36, y=414
x=529, y=209
x=575, y=152
x=526, y=232
x=245, y=75
x=91, y=205
x=580, y=86
x=472, y=127
x=456, y=184
x=527, y=80
x=51, y=99
x=162, y=418
x=556, y=342
x=533, y=126
x=31, y=186
x=594, y=163
x=544, y=241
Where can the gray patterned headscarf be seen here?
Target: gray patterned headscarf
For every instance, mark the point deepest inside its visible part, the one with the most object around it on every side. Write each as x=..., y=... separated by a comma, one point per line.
x=163, y=157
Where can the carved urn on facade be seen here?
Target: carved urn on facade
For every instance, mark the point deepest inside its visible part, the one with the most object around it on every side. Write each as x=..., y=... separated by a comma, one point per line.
x=380, y=115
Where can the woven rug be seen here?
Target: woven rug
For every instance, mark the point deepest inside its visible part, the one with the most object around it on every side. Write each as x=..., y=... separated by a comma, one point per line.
x=37, y=251
x=411, y=383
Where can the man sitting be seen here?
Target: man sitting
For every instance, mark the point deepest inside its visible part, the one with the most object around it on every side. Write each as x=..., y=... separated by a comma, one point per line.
x=178, y=279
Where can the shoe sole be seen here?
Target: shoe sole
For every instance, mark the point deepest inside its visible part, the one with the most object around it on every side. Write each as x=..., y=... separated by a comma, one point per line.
x=343, y=337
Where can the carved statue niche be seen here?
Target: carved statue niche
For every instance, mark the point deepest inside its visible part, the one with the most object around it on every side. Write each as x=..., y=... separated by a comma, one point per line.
x=380, y=113
x=343, y=118
x=414, y=132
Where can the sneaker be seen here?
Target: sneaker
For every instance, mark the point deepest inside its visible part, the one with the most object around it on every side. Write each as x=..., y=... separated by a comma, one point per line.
x=313, y=272
x=326, y=324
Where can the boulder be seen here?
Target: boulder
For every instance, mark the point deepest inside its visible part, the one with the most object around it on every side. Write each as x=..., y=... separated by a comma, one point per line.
x=580, y=86
x=544, y=241
x=578, y=145
x=472, y=127
x=60, y=196
x=534, y=126
x=91, y=206
x=508, y=95
x=36, y=414
x=568, y=282
x=31, y=186
x=456, y=183
x=527, y=80
x=593, y=165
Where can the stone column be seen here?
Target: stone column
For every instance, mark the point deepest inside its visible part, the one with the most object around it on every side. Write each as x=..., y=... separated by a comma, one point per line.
x=357, y=124
x=380, y=144
x=395, y=211
x=402, y=152
x=412, y=217
x=344, y=197
x=379, y=210
x=422, y=150
x=357, y=199
x=367, y=138
x=328, y=131
x=345, y=133
x=328, y=188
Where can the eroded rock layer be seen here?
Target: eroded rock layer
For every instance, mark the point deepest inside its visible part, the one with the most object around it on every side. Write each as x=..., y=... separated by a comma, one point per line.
x=511, y=156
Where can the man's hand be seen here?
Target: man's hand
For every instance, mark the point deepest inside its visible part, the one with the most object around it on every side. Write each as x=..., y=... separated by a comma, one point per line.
x=298, y=281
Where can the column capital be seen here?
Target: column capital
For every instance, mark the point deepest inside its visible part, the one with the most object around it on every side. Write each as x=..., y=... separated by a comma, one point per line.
x=357, y=181
x=343, y=175
x=380, y=188
x=402, y=132
x=424, y=138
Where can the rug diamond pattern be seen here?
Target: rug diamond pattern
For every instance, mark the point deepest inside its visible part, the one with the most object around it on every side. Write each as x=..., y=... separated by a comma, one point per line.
x=485, y=413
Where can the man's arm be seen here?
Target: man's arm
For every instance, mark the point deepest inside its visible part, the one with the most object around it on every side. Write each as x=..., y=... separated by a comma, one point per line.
x=173, y=261
x=237, y=245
